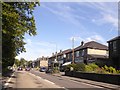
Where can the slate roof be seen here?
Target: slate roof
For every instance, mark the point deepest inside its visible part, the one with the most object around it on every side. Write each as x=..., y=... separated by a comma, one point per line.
x=92, y=44
x=116, y=38
x=64, y=52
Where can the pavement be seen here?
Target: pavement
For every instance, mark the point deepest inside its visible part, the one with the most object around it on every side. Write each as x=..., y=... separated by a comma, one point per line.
x=96, y=83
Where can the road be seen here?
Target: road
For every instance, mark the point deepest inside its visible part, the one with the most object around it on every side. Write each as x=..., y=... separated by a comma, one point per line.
x=36, y=79
x=23, y=79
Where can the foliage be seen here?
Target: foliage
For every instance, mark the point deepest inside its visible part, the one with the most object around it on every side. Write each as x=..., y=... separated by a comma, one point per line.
x=17, y=62
x=79, y=67
x=91, y=67
x=55, y=70
x=23, y=62
x=110, y=70
x=76, y=67
x=88, y=68
x=17, y=19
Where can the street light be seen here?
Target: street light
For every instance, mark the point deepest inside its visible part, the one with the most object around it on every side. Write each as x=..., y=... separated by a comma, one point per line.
x=55, y=60
x=73, y=50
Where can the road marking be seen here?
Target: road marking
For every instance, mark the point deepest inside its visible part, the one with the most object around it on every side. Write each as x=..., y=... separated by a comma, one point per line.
x=48, y=81
x=39, y=77
x=92, y=85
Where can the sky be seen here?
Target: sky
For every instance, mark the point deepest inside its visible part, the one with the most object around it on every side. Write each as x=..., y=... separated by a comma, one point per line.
x=58, y=22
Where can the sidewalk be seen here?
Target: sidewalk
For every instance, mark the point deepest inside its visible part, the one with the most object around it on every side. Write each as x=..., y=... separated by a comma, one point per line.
x=101, y=84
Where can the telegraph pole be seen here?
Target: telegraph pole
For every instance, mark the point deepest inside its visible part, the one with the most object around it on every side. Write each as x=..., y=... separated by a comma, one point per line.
x=55, y=55
x=73, y=50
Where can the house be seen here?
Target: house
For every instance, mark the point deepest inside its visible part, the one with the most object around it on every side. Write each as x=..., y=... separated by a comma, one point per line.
x=58, y=59
x=91, y=52
x=62, y=57
x=44, y=62
x=52, y=60
x=36, y=63
x=41, y=62
x=69, y=56
x=114, y=52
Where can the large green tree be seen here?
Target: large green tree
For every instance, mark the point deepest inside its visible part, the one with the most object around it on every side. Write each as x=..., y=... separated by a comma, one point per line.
x=17, y=20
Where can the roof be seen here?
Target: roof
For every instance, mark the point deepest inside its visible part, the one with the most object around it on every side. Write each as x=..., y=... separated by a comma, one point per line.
x=116, y=38
x=92, y=44
x=64, y=52
x=60, y=53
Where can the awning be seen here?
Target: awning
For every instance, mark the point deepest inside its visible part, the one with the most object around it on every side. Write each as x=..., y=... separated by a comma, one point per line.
x=67, y=63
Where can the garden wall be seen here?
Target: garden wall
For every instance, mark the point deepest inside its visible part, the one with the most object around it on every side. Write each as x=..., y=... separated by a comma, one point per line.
x=107, y=78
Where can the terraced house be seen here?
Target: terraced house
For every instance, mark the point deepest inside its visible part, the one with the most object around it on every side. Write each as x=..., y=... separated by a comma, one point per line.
x=85, y=53
x=58, y=59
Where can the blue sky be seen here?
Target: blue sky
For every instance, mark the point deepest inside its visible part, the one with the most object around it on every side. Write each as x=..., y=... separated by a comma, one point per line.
x=57, y=23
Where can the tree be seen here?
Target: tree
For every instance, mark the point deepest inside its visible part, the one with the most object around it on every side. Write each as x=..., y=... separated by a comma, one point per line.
x=17, y=62
x=29, y=63
x=23, y=62
x=17, y=19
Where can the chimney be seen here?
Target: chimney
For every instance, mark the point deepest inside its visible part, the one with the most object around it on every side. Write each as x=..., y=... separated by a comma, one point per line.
x=60, y=51
x=82, y=43
x=52, y=54
x=55, y=52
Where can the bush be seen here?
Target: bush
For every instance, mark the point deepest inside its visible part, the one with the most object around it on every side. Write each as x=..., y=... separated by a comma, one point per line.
x=88, y=68
x=56, y=70
x=93, y=66
x=79, y=67
x=110, y=70
x=76, y=67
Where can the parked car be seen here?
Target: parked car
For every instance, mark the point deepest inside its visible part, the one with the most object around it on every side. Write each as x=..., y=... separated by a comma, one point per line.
x=27, y=69
x=19, y=69
x=42, y=69
x=49, y=71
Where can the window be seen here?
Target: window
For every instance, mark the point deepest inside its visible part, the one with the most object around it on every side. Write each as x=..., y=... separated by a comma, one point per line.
x=83, y=52
x=114, y=46
x=77, y=53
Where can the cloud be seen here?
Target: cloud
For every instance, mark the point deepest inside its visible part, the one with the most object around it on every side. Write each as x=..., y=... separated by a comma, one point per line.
x=65, y=12
x=79, y=1
x=101, y=13
x=93, y=37
x=46, y=44
x=108, y=13
x=76, y=38
x=36, y=49
x=107, y=18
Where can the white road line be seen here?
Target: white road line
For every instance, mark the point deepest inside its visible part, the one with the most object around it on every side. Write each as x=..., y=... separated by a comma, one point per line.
x=92, y=85
x=48, y=81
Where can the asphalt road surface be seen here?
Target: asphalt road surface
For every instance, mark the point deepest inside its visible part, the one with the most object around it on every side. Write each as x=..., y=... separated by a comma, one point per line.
x=23, y=79
x=36, y=79
x=62, y=81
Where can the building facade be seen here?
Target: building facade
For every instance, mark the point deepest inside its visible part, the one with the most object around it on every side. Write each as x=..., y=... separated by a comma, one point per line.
x=114, y=52
x=91, y=52
x=85, y=53
x=41, y=62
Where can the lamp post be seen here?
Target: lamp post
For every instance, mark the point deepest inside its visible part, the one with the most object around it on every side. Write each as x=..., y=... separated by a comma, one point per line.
x=73, y=50
x=55, y=60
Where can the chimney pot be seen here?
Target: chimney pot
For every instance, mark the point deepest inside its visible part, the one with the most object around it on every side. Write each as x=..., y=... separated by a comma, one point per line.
x=82, y=43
